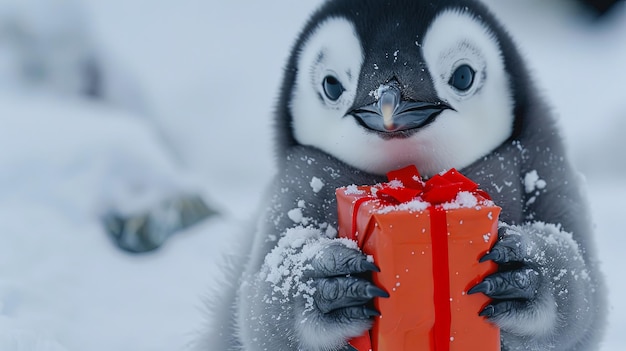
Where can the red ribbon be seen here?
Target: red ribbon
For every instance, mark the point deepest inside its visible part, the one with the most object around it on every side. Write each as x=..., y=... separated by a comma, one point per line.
x=437, y=190
x=441, y=277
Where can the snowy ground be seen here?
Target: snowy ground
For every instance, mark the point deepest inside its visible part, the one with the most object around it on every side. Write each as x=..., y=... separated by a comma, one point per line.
x=210, y=72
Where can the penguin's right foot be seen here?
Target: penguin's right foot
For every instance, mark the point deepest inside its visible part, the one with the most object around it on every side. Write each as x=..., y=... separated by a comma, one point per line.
x=341, y=302
x=338, y=293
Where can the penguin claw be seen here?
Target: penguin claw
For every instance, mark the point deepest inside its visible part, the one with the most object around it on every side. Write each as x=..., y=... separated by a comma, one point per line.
x=370, y=267
x=488, y=311
x=495, y=310
x=348, y=314
x=516, y=284
x=337, y=293
x=508, y=249
x=341, y=290
x=484, y=287
x=493, y=255
x=374, y=291
x=370, y=312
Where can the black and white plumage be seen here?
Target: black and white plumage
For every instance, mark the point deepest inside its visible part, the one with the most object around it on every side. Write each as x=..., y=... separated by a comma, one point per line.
x=376, y=85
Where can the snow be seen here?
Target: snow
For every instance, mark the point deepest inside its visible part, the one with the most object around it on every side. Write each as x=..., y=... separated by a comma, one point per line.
x=316, y=184
x=394, y=184
x=464, y=199
x=353, y=190
x=210, y=74
x=287, y=264
x=295, y=215
x=411, y=206
x=532, y=182
x=281, y=261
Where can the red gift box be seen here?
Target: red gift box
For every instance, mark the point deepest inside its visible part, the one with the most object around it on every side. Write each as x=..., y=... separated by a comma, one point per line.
x=427, y=239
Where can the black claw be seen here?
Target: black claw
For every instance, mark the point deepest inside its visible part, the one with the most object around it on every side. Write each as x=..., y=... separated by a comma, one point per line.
x=500, y=308
x=342, y=292
x=493, y=255
x=349, y=314
x=508, y=249
x=369, y=266
x=370, y=312
x=374, y=291
x=487, y=311
x=483, y=287
x=516, y=284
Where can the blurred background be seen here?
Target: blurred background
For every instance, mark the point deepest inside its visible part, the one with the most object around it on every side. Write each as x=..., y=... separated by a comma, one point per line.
x=111, y=105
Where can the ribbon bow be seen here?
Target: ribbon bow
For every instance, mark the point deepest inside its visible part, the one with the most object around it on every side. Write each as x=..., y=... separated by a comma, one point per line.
x=439, y=189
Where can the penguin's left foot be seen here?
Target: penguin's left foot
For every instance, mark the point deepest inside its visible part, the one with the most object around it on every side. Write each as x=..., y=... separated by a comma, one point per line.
x=516, y=284
x=539, y=269
x=346, y=295
x=148, y=231
x=340, y=293
x=339, y=306
x=512, y=287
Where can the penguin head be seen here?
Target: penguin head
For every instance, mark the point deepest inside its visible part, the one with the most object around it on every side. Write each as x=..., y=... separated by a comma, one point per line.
x=384, y=84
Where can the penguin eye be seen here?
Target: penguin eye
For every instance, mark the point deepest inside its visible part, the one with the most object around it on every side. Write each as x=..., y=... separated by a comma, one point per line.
x=332, y=88
x=462, y=78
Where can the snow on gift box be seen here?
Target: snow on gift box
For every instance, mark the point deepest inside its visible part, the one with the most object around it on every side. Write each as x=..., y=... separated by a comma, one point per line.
x=427, y=239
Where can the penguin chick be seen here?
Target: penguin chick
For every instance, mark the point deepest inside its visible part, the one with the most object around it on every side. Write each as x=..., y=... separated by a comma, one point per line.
x=372, y=86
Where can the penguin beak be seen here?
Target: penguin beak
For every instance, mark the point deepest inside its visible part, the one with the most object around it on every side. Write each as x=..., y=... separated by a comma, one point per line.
x=391, y=114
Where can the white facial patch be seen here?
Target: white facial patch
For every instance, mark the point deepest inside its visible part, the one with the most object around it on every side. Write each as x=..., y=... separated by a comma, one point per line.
x=333, y=49
x=481, y=120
